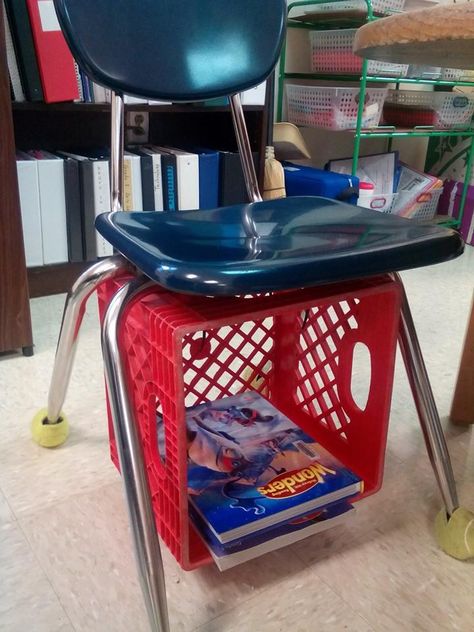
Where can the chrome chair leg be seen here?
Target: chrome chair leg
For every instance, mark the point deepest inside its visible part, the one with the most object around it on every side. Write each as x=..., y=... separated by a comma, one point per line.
x=426, y=407
x=74, y=309
x=137, y=493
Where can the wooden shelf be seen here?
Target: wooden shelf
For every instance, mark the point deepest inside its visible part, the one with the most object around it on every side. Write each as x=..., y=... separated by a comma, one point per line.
x=54, y=279
x=185, y=108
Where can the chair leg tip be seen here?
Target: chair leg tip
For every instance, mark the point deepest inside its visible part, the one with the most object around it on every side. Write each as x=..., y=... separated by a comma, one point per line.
x=455, y=535
x=49, y=435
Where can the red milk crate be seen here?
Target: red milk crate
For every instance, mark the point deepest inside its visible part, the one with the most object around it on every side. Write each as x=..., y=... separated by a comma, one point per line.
x=296, y=348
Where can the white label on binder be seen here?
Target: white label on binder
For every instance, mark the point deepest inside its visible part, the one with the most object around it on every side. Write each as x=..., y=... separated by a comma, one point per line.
x=48, y=17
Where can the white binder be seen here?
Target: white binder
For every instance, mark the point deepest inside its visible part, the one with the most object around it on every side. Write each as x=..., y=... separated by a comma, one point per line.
x=28, y=186
x=187, y=169
x=53, y=206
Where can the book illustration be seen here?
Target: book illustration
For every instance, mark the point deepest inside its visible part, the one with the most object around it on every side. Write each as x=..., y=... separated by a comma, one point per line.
x=250, y=466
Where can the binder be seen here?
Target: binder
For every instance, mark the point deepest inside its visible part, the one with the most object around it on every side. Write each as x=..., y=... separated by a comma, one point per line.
x=95, y=189
x=53, y=206
x=74, y=222
x=132, y=183
x=152, y=189
x=169, y=179
x=187, y=174
x=56, y=63
x=28, y=186
x=208, y=179
x=12, y=61
x=255, y=95
x=20, y=26
x=232, y=189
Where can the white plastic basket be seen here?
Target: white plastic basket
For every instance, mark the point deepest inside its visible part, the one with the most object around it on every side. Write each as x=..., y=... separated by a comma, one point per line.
x=333, y=108
x=424, y=72
x=452, y=74
x=331, y=51
x=435, y=72
x=383, y=202
x=380, y=7
x=423, y=207
x=412, y=108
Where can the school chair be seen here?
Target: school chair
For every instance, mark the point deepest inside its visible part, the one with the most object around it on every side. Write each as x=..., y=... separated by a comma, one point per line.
x=279, y=251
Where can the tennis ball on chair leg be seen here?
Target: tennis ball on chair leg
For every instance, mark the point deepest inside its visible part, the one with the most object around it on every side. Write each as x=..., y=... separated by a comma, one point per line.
x=455, y=535
x=46, y=434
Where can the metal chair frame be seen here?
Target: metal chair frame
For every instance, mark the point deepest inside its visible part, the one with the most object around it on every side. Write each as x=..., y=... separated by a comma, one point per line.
x=137, y=493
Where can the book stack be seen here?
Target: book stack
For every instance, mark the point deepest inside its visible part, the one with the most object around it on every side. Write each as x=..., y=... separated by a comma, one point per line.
x=256, y=481
x=62, y=193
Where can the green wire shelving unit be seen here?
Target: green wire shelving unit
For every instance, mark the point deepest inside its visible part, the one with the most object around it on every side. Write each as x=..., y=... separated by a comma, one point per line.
x=389, y=132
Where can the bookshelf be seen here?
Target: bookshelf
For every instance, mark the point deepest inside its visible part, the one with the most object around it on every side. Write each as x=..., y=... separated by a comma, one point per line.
x=70, y=125
x=86, y=125
x=15, y=322
x=334, y=19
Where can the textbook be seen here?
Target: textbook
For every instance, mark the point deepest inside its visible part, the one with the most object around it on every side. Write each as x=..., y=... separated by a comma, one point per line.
x=247, y=548
x=250, y=467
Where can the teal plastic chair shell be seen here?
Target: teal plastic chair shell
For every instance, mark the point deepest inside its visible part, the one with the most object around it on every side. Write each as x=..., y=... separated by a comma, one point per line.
x=175, y=50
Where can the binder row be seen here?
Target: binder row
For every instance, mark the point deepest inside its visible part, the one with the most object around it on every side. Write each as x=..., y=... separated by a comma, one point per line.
x=62, y=193
x=42, y=68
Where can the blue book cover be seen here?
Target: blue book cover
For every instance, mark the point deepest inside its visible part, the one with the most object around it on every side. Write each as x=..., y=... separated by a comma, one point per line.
x=250, y=467
x=208, y=178
x=272, y=538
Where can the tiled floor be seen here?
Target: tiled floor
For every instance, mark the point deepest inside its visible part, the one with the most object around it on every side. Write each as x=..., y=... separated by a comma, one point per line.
x=65, y=555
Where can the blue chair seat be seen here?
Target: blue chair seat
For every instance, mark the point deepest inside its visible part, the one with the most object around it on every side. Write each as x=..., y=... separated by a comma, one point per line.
x=303, y=241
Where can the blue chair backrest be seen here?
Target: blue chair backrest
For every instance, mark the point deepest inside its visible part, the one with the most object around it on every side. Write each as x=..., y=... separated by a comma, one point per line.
x=175, y=50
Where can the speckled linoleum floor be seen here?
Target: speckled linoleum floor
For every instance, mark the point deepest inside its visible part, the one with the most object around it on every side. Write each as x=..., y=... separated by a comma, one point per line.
x=65, y=554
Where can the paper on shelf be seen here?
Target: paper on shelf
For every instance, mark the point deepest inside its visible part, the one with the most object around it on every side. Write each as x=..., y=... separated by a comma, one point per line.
x=412, y=185
x=378, y=169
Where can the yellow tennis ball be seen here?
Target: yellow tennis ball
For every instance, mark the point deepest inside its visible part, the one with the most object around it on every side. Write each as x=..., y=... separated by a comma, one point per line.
x=456, y=535
x=49, y=435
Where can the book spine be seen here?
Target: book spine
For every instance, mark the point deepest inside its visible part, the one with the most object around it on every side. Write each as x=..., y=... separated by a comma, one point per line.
x=99, y=93
x=188, y=182
x=170, y=182
x=20, y=26
x=101, y=203
x=208, y=180
x=88, y=209
x=146, y=167
x=157, y=183
x=53, y=210
x=85, y=87
x=79, y=82
x=137, y=196
x=28, y=187
x=232, y=189
x=127, y=184
x=73, y=210
x=12, y=64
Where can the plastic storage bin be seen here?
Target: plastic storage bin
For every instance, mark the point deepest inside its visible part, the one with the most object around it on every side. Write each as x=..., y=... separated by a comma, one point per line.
x=185, y=350
x=380, y=7
x=333, y=108
x=436, y=72
x=424, y=207
x=331, y=52
x=382, y=202
x=412, y=108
